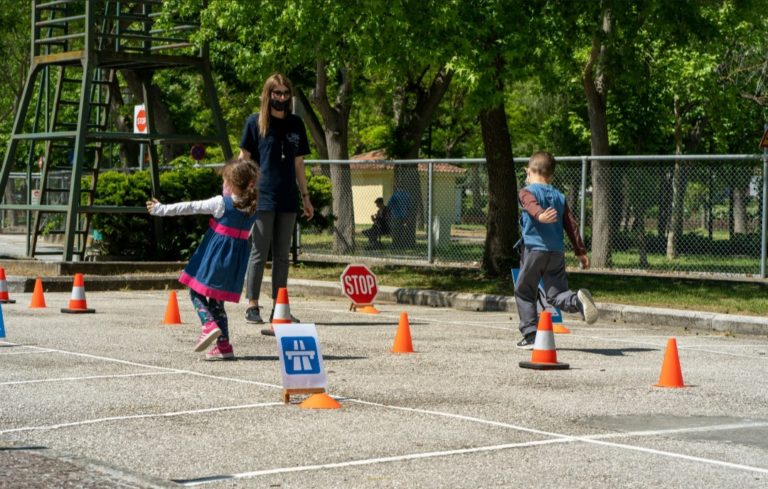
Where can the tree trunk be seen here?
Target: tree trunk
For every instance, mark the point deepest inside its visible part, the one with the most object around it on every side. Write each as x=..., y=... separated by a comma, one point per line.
x=336, y=121
x=499, y=256
x=604, y=209
x=343, y=205
x=739, y=211
x=679, y=184
x=410, y=127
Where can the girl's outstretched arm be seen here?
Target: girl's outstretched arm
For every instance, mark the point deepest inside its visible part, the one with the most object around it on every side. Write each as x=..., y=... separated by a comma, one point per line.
x=213, y=206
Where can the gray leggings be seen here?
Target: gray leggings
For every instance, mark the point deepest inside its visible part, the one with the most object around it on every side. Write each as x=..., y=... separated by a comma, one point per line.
x=274, y=229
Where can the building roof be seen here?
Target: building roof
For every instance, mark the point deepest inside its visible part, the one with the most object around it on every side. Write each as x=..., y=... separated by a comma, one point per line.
x=379, y=157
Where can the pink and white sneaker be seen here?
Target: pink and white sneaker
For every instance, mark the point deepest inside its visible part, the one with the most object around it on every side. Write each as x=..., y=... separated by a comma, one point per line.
x=222, y=351
x=209, y=334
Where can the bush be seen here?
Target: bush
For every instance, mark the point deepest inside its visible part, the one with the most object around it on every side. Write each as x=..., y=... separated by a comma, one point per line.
x=132, y=235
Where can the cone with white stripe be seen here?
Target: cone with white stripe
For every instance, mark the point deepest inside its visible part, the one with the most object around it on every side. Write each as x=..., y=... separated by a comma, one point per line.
x=4, y=299
x=544, y=355
x=77, y=304
x=281, y=313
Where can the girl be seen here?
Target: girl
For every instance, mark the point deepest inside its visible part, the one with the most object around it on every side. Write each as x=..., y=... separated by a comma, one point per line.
x=216, y=271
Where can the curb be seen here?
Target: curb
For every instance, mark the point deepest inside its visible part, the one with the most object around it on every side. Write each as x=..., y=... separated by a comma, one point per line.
x=617, y=313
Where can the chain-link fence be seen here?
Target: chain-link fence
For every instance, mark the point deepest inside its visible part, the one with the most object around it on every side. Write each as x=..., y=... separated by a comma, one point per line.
x=662, y=214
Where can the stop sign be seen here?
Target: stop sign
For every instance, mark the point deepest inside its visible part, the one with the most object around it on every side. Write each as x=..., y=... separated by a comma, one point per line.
x=359, y=284
x=139, y=119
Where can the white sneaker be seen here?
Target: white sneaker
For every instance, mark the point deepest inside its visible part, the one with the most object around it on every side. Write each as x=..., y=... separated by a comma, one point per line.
x=588, y=307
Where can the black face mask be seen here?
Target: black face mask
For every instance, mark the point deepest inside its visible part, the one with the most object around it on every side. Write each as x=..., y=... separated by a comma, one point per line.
x=279, y=105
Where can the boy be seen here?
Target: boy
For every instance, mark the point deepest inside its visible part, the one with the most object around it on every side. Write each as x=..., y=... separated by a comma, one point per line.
x=545, y=215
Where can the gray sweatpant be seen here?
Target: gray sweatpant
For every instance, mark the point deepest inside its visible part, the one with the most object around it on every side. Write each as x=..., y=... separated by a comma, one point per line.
x=549, y=266
x=275, y=229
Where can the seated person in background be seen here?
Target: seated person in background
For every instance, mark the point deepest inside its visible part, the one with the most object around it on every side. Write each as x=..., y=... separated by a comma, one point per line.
x=380, y=224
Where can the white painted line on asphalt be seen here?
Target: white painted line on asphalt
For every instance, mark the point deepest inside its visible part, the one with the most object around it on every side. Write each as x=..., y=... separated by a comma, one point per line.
x=353, y=463
x=35, y=352
x=680, y=431
x=140, y=416
x=109, y=359
x=595, y=439
x=558, y=437
x=90, y=377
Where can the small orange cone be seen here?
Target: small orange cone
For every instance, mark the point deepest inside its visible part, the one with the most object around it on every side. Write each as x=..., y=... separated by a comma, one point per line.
x=172, y=315
x=77, y=303
x=558, y=328
x=38, y=301
x=671, y=373
x=403, y=343
x=369, y=309
x=281, y=313
x=544, y=354
x=4, y=299
x=320, y=401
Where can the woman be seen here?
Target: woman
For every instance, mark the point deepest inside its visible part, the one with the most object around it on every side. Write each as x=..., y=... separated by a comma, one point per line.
x=276, y=140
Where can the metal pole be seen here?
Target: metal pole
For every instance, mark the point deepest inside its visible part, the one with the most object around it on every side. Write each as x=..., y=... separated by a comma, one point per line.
x=583, y=196
x=764, y=223
x=430, y=237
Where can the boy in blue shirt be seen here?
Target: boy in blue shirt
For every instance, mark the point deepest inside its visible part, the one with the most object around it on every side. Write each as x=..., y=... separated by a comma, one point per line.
x=544, y=218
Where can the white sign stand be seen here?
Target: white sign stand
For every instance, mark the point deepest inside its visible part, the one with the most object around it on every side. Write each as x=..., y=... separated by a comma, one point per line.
x=301, y=361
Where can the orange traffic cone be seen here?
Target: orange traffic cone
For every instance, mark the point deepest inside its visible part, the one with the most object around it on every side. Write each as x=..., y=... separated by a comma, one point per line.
x=38, y=301
x=671, y=373
x=281, y=313
x=559, y=328
x=4, y=299
x=544, y=355
x=320, y=401
x=172, y=315
x=369, y=309
x=403, y=343
x=77, y=303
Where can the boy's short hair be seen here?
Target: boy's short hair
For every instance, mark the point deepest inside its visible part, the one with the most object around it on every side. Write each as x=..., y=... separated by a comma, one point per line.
x=379, y=200
x=542, y=163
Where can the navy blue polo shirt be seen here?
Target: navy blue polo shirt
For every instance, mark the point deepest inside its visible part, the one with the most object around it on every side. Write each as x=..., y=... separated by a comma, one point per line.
x=275, y=153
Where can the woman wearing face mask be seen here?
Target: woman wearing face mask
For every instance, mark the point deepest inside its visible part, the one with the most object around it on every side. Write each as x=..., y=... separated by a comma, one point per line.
x=276, y=140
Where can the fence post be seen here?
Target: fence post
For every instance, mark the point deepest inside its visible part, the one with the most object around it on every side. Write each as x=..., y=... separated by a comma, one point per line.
x=430, y=236
x=583, y=196
x=764, y=221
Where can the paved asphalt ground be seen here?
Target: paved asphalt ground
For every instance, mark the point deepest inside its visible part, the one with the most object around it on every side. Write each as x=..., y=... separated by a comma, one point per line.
x=117, y=400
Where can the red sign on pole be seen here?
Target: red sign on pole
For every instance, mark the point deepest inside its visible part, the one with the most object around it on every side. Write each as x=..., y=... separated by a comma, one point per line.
x=139, y=119
x=764, y=141
x=359, y=284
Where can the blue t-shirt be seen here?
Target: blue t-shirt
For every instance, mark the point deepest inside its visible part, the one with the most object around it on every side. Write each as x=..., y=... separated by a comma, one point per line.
x=538, y=235
x=275, y=153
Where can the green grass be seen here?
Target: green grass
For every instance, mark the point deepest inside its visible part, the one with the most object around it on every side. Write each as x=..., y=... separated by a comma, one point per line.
x=744, y=298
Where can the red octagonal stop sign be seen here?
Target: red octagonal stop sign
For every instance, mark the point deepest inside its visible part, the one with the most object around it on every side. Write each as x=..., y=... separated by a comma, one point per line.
x=359, y=284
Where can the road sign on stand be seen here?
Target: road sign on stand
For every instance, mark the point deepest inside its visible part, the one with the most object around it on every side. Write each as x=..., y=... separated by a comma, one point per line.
x=359, y=284
x=301, y=362
x=764, y=141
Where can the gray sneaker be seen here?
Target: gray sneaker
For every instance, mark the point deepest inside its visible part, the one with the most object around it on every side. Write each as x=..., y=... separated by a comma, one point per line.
x=588, y=307
x=252, y=315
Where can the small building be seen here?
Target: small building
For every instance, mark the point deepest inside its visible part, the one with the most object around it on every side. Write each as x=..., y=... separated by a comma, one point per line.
x=376, y=179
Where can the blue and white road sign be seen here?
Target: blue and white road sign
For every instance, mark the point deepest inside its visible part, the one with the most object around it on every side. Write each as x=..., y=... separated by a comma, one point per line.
x=541, y=303
x=301, y=361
